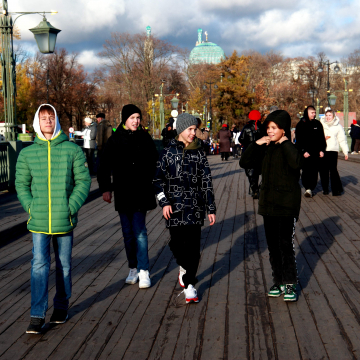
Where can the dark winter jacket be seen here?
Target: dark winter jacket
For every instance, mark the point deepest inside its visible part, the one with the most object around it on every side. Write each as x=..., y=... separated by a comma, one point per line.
x=309, y=135
x=130, y=156
x=355, y=131
x=168, y=133
x=250, y=133
x=280, y=193
x=183, y=180
x=104, y=131
x=224, y=137
x=93, y=132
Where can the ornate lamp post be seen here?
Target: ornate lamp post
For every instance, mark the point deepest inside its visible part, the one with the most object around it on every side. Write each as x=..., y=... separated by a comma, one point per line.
x=205, y=87
x=332, y=102
x=45, y=36
x=174, y=104
x=336, y=70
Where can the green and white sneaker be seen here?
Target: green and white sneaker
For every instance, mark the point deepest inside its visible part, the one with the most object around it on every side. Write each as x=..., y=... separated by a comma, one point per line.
x=276, y=290
x=290, y=292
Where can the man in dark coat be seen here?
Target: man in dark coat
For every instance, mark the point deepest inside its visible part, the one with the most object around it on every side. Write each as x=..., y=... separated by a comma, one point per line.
x=224, y=137
x=130, y=156
x=249, y=134
x=104, y=131
x=310, y=141
x=168, y=132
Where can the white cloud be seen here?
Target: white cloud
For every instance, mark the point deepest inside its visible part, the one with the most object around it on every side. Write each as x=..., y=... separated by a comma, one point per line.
x=89, y=59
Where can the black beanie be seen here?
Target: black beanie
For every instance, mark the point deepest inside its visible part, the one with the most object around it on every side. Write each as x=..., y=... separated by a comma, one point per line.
x=282, y=119
x=128, y=110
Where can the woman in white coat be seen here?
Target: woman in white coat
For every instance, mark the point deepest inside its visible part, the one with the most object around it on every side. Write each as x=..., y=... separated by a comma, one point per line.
x=335, y=137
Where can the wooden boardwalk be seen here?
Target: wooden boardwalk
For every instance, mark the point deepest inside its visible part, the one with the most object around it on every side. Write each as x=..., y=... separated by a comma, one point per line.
x=234, y=319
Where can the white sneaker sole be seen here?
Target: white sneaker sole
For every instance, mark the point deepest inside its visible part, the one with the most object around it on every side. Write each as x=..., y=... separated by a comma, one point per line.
x=144, y=286
x=60, y=322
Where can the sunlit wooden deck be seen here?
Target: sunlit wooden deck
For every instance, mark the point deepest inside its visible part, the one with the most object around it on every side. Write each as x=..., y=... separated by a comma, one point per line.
x=234, y=319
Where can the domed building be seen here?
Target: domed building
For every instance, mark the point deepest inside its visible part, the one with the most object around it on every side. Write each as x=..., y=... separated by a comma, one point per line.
x=206, y=52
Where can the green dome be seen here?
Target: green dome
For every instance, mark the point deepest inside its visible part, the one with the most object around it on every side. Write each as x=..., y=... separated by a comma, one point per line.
x=206, y=52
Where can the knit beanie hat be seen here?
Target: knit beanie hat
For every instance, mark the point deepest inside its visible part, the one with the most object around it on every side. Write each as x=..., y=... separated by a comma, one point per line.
x=280, y=118
x=128, y=110
x=184, y=121
x=254, y=115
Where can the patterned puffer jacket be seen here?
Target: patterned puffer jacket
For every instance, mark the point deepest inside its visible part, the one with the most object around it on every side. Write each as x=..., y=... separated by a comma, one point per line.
x=52, y=183
x=183, y=180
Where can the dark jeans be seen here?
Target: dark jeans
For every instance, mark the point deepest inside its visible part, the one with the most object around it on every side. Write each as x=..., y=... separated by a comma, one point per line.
x=253, y=176
x=185, y=246
x=352, y=144
x=135, y=239
x=309, y=175
x=328, y=164
x=280, y=232
x=40, y=267
x=225, y=155
x=89, y=153
x=357, y=145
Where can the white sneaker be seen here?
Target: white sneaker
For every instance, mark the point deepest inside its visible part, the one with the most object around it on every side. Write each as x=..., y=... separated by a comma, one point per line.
x=182, y=272
x=144, y=279
x=308, y=193
x=191, y=294
x=133, y=276
x=354, y=153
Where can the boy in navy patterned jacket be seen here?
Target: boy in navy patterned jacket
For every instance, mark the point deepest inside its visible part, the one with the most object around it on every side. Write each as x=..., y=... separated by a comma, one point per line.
x=183, y=186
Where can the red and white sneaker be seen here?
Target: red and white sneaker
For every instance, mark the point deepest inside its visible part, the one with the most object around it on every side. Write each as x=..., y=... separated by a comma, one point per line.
x=182, y=272
x=191, y=294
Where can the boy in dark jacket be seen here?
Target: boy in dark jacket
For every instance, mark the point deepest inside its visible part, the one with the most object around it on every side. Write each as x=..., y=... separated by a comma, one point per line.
x=310, y=141
x=52, y=183
x=280, y=198
x=183, y=185
x=130, y=157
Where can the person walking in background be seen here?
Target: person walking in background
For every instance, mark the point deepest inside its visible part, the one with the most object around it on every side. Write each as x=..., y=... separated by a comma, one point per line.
x=355, y=137
x=280, y=198
x=168, y=132
x=89, y=136
x=183, y=185
x=52, y=183
x=130, y=157
x=310, y=141
x=249, y=134
x=352, y=133
x=224, y=137
x=104, y=131
x=335, y=137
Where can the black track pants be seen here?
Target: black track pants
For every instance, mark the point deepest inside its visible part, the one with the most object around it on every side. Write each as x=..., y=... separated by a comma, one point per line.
x=185, y=246
x=310, y=170
x=280, y=232
x=328, y=165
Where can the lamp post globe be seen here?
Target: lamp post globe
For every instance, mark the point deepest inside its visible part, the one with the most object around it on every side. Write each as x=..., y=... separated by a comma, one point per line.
x=174, y=102
x=332, y=99
x=45, y=35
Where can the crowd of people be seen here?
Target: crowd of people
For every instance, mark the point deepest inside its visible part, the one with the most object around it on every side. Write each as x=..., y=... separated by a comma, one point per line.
x=53, y=181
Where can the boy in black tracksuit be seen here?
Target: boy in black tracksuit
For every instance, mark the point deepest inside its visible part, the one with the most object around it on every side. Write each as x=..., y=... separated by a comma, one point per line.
x=280, y=198
x=183, y=186
x=310, y=141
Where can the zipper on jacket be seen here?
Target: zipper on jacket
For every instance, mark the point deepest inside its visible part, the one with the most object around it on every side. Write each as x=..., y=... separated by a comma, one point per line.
x=29, y=217
x=71, y=221
x=49, y=183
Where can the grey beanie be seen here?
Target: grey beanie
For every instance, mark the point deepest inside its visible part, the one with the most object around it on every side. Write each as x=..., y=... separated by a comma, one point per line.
x=184, y=121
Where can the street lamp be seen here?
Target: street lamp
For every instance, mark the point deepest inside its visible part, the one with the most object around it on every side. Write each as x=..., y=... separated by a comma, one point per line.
x=336, y=70
x=332, y=101
x=205, y=87
x=45, y=36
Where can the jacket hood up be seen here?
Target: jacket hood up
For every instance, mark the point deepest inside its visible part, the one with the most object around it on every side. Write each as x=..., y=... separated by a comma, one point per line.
x=280, y=118
x=36, y=123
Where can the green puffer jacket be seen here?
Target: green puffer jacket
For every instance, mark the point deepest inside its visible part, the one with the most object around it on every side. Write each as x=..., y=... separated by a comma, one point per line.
x=52, y=183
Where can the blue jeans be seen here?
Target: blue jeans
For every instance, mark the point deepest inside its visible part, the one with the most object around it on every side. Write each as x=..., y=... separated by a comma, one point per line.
x=40, y=267
x=135, y=238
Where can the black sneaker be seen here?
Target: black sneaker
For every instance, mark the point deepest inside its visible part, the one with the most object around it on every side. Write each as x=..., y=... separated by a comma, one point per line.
x=36, y=324
x=59, y=316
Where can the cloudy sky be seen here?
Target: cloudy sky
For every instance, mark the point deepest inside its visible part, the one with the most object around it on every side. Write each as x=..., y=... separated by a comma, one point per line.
x=295, y=28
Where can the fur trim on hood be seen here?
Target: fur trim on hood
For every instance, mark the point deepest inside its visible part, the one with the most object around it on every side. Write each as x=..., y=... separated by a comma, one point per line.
x=36, y=124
